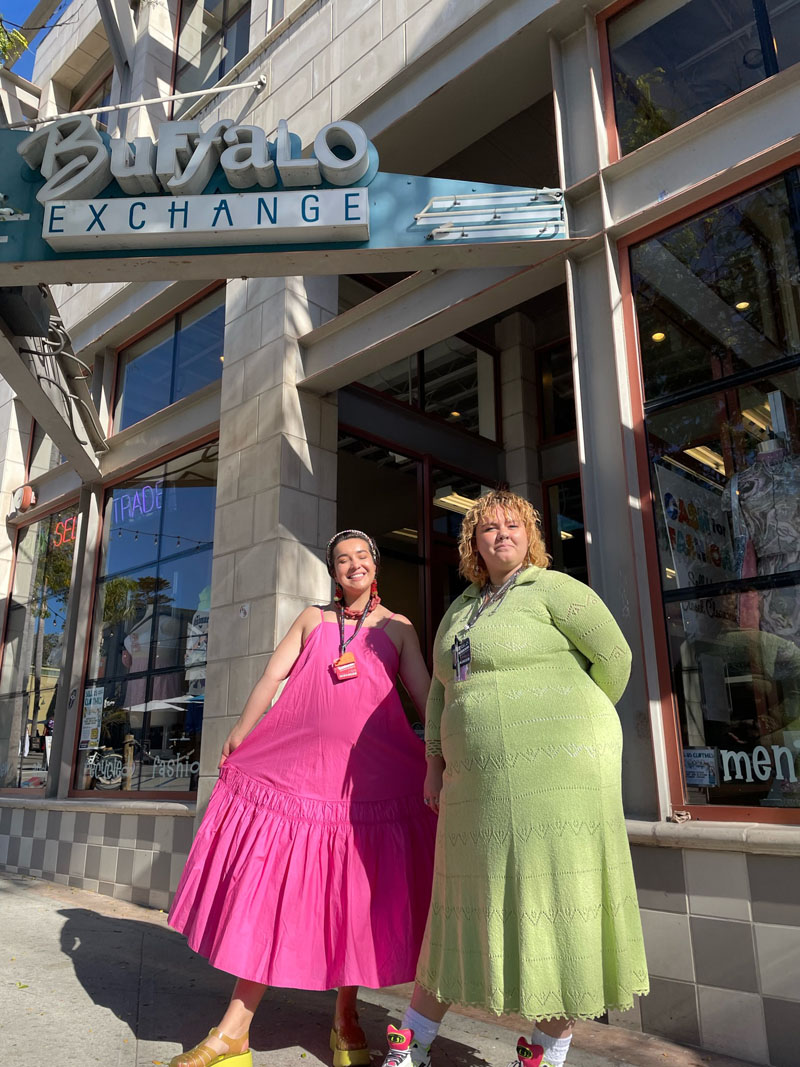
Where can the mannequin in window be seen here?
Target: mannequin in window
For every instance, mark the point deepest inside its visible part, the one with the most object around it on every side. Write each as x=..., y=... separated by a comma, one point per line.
x=764, y=502
x=136, y=657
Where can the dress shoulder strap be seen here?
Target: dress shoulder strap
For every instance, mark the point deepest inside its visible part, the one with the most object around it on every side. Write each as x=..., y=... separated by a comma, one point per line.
x=322, y=615
x=386, y=622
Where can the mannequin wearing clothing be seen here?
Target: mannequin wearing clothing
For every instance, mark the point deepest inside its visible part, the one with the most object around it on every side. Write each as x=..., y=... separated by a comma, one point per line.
x=137, y=647
x=764, y=502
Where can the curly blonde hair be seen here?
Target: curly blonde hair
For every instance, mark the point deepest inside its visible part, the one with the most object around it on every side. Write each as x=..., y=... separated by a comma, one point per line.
x=471, y=566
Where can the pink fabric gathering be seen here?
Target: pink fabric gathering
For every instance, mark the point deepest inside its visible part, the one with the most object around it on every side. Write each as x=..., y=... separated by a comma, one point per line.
x=312, y=866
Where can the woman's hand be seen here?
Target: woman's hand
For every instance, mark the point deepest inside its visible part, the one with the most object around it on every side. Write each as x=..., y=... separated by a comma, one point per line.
x=232, y=742
x=433, y=785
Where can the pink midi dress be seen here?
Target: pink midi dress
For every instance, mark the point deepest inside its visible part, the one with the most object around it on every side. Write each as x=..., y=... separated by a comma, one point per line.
x=312, y=866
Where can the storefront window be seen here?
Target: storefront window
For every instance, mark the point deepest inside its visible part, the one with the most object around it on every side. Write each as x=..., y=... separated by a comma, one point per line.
x=557, y=391
x=452, y=380
x=99, y=98
x=674, y=59
x=378, y=492
x=214, y=35
x=720, y=345
x=173, y=362
x=33, y=652
x=142, y=715
x=565, y=534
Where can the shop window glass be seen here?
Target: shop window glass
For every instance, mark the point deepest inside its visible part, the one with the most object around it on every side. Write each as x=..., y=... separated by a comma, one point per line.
x=99, y=98
x=452, y=380
x=452, y=496
x=717, y=295
x=722, y=422
x=213, y=36
x=674, y=59
x=173, y=362
x=566, y=534
x=557, y=391
x=378, y=492
x=399, y=380
x=33, y=654
x=142, y=714
x=458, y=386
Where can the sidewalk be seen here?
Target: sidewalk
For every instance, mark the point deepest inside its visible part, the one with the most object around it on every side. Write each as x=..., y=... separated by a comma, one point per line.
x=87, y=979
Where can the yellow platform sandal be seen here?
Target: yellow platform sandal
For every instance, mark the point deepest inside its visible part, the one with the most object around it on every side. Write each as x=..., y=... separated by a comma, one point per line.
x=236, y=1054
x=350, y=1050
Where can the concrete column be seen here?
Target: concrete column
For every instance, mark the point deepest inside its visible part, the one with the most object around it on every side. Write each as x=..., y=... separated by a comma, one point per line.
x=514, y=336
x=616, y=565
x=15, y=434
x=152, y=68
x=276, y=494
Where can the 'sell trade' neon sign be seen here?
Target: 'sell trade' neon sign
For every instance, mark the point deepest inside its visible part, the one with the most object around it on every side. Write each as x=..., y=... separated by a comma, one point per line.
x=142, y=501
x=64, y=532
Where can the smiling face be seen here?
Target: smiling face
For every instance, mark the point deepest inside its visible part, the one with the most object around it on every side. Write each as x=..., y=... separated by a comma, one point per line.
x=353, y=567
x=502, y=543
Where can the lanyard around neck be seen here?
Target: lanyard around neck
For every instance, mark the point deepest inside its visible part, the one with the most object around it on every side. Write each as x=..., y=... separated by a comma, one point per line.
x=494, y=599
x=342, y=643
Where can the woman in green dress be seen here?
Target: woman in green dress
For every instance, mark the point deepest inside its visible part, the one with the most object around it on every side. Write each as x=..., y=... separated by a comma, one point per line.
x=534, y=906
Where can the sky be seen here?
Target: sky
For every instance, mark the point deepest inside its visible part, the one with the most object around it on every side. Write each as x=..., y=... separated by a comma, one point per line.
x=14, y=11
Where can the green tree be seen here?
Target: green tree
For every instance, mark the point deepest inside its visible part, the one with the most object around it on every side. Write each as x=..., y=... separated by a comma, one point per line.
x=12, y=42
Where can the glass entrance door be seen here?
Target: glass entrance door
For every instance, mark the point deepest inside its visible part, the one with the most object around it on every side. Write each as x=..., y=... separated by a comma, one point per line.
x=413, y=509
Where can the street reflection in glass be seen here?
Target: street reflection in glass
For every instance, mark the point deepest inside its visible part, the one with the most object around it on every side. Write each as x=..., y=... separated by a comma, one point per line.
x=173, y=361
x=671, y=61
x=142, y=715
x=33, y=655
x=718, y=308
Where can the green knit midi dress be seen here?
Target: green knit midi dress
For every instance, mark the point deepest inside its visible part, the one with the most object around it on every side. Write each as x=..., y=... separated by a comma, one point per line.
x=534, y=906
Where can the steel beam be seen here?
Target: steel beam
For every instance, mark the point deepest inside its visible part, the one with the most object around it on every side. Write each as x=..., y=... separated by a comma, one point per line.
x=48, y=405
x=419, y=311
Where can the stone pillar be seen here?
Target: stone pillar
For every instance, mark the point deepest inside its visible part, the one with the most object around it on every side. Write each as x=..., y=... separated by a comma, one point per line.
x=151, y=76
x=617, y=561
x=514, y=336
x=276, y=493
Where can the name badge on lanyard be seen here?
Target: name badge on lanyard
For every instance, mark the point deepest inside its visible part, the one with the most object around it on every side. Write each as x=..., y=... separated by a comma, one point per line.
x=462, y=657
x=461, y=650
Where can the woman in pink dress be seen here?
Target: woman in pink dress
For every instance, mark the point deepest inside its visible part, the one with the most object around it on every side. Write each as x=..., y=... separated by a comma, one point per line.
x=312, y=867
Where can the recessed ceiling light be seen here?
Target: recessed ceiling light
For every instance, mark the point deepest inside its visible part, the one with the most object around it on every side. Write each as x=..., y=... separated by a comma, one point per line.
x=659, y=336
x=742, y=305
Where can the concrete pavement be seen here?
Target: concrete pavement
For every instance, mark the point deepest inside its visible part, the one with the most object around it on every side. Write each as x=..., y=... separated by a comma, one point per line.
x=86, y=979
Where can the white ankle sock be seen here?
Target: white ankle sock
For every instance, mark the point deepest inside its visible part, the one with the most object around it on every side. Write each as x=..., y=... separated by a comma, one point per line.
x=425, y=1030
x=555, y=1048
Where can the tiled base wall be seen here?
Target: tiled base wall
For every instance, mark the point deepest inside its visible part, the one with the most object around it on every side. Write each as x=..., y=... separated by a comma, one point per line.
x=722, y=929
x=722, y=932
x=132, y=857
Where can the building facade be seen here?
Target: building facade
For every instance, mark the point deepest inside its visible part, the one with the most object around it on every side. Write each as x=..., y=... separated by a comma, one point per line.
x=640, y=387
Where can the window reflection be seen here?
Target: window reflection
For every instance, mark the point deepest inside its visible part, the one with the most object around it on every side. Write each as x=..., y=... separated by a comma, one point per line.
x=143, y=703
x=452, y=380
x=214, y=35
x=738, y=691
x=718, y=312
x=33, y=652
x=173, y=361
x=674, y=59
x=557, y=390
x=566, y=534
x=718, y=294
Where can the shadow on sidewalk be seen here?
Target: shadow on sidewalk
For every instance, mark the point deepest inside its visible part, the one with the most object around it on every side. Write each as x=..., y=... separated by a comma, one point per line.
x=150, y=979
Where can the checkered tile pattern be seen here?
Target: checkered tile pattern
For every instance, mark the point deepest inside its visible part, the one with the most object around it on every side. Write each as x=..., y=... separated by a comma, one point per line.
x=722, y=929
x=722, y=934
x=134, y=857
